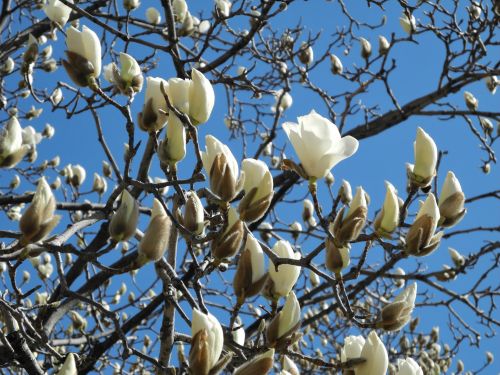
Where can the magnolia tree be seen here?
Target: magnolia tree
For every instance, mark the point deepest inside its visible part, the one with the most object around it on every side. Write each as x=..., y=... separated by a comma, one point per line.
x=201, y=248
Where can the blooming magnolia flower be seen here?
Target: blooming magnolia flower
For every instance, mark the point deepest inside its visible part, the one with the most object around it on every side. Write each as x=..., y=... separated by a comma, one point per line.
x=451, y=201
x=375, y=355
x=258, y=187
x=12, y=149
x=387, y=219
x=260, y=364
x=318, y=144
x=353, y=345
x=224, y=7
x=124, y=222
x=69, y=366
x=222, y=167
x=173, y=149
x=153, y=16
x=425, y=150
x=336, y=65
x=229, y=242
x=285, y=277
x=284, y=324
x=194, y=216
x=251, y=274
x=154, y=113
x=206, y=343
x=420, y=239
x=383, y=45
x=397, y=314
x=408, y=366
x=408, y=24
x=129, y=79
x=84, y=55
x=38, y=220
x=57, y=12
x=154, y=242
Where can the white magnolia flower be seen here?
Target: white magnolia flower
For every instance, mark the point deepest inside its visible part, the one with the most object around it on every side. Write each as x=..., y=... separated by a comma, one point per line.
x=57, y=12
x=375, y=355
x=222, y=168
x=318, y=144
x=86, y=44
x=180, y=9
x=387, y=219
x=12, y=147
x=353, y=345
x=130, y=69
x=108, y=72
x=366, y=48
x=173, y=149
x=290, y=366
x=409, y=25
x=287, y=275
x=251, y=263
x=285, y=323
x=408, y=366
x=426, y=155
x=124, y=222
x=239, y=336
x=153, y=16
x=69, y=366
x=194, y=216
x=398, y=313
x=153, y=116
x=207, y=340
x=154, y=242
x=471, y=101
x=258, y=187
x=224, y=7
x=285, y=101
x=201, y=98
x=451, y=201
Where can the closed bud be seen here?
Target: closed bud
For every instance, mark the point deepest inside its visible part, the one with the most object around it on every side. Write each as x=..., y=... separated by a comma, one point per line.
x=399, y=282
x=155, y=240
x=56, y=97
x=366, y=48
x=296, y=228
x=397, y=314
x=58, y=12
x=153, y=16
x=69, y=366
x=206, y=343
x=489, y=357
x=337, y=258
x=154, y=113
x=265, y=231
x=307, y=210
x=258, y=187
x=8, y=66
x=261, y=364
x=314, y=279
x=124, y=222
x=491, y=84
x=280, y=331
x=474, y=11
x=194, y=217
x=387, y=219
x=56, y=184
x=251, y=274
x=336, y=65
x=456, y=257
x=12, y=147
x=31, y=52
x=284, y=276
x=187, y=27
x=348, y=228
x=486, y=125
x=15, y=182
x=408, y=23
x=283, y=101
x=420, y=239
x=306, y=54
x=471, y=101
x=106, y=169
x=201, y=98
x=329, y=179
x=345, y=192
x=49, y=66
x=100, y=185
x=451, y=202
x=223, y=7
x=38, y=220
x=79, y=322
x=424, y=170
x=227, y=244
x=130, y=5
x=375, y=355
x=222, y=167
x=383, y=45
x=408, y=366
x=173, y=148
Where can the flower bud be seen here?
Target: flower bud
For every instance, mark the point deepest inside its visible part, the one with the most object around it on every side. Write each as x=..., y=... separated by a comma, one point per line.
x=486, y=125
x=470, y=101
x=284, y=276
x=261, y=364
x=281, y=328
x=227, y=244
x=456, y=257
x=130, y=5
x=84, y=55
x=336, y=258
x=194, y=216
x=223, y=7
x=78, y=174
x=222, y=168
x=345, y=192
x=106, y=169
x=265, y=231
x=383, y=45
x=12, y=147
x=129, y=79
x=15, y=182
x=155, y=240
x=408, y=24
x=408, y=366
x=314, y=279
x=153, y=16
x=38, y=220
x=173, y=148
x=153, y=116
x=100, y=185
x=124, y=222
x=474, y=11
x=8, y=66
x=336, y=65
x=491, y=84
x=420, y=239
x=375, y=356
x=69, y=366
x=57, y=12
x=251, y=274
x=397, y=314
x=387, y=219
x=308, y=210
x=56, y=184
x=366, y=48
x=306, y=54
x=206, y=342
x=239, y=334
x=258, y=187
x=451, y=202
x=399, y=282
x=201, y=98
x=180, y=9
x=348, y=228
x=425, y=150
x=296, y=228
x=178, y=93
x=283, y=101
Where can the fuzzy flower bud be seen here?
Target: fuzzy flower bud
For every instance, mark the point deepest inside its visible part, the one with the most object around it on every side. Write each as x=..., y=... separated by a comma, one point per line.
x=451, y=201
x=124, y=222
x=155, y=240
x=227, y=244
x=397, y=314
x=258, y=187
x=206, y=343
